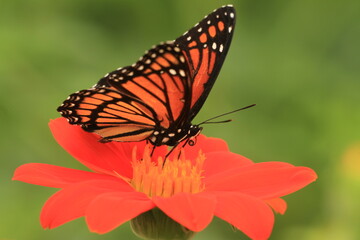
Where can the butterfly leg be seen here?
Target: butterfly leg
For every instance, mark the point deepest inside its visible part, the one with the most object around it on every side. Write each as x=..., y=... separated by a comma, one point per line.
x=152, y=151
x=176, y=146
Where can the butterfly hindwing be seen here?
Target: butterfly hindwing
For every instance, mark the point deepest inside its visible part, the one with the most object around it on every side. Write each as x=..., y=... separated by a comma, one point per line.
x=110, y=114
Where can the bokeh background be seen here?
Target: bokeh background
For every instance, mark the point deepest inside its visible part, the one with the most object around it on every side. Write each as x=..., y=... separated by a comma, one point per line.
x=298, y=60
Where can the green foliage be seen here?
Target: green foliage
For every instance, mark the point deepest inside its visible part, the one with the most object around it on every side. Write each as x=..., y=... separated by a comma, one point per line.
x=297, y=60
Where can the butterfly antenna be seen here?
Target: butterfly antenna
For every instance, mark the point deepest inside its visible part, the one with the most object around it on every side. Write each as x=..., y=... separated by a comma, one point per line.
x=225, y=121
x=224, y=114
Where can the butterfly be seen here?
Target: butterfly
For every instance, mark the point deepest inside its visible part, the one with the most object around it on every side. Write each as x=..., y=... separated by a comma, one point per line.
x=157, y=97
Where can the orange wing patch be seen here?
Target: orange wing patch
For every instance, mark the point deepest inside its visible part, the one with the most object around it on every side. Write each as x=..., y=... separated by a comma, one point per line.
x=221, y=26
x=203, y=38
x=212, y=31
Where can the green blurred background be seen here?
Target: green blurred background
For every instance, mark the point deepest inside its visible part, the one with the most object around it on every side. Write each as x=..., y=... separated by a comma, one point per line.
x=298, y=60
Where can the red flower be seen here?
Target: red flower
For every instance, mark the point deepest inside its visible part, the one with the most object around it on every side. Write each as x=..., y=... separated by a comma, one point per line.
x=207, y=180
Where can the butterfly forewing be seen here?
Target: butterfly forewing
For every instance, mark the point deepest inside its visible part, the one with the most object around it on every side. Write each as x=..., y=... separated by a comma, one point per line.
x=160, y=79
x=205, y=47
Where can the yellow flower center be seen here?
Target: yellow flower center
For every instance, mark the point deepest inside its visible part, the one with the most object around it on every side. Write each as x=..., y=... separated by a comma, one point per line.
x=159, y=178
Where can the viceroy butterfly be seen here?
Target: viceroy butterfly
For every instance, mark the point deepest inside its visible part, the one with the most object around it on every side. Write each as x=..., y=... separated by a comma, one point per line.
x=157, y=97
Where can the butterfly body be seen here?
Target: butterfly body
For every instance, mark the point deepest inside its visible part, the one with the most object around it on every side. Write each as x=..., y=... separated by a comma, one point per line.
x=157, y=97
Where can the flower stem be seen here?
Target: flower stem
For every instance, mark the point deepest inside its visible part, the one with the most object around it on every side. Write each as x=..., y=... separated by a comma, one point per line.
x=156, y=225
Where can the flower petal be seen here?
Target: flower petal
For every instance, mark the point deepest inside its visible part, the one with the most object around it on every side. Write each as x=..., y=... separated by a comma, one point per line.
x=193, y=211
x=279, y=205
x=265, y=180
x=250, y=215
x=110, y=210
x=219, y=162
x=113, y=158
x=206, y=145
x=71, y=202
x=53, y=176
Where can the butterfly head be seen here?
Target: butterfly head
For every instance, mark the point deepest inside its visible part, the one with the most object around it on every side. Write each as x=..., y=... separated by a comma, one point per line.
x=193, y=132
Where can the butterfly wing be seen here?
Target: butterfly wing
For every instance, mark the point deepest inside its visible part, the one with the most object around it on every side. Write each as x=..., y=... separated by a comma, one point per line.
x=160, y=79
x=205, y=47
x=110, y=114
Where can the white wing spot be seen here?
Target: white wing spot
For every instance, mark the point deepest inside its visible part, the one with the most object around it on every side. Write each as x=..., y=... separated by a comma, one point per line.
x=124, y=70
x=221, y=48
x=232, y=15
x=217, y=16
x=106, y=75
x=208, y=22
x=177, y=49
x=182, y=73
x=179, y=130
x=205, y=45
x=153, y=55
x=171, y=134
x=141, y=67
x=121, y=78
x=199, y=30
x=230, y=29
x=189, y=38
x=196, y=25
x=148, y=61
x=165, y=139
x=130, y=73
x=156, y=133
x=185, y=33
x=161, y=50
x=214, y=45
x=172, y=71
x=182, y=59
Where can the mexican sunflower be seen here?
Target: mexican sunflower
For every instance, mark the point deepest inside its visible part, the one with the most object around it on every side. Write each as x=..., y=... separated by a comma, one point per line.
x=188, y=189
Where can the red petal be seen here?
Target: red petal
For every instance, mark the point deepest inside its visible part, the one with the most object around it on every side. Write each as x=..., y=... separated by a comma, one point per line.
x=279, y=205
x=113, y=158
x=206, y=145
x=265, y=180
x=70, y=203
x=194, y=211
x=53, y=176
x=250, y=215
x=110, y=210
x=219, y=162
